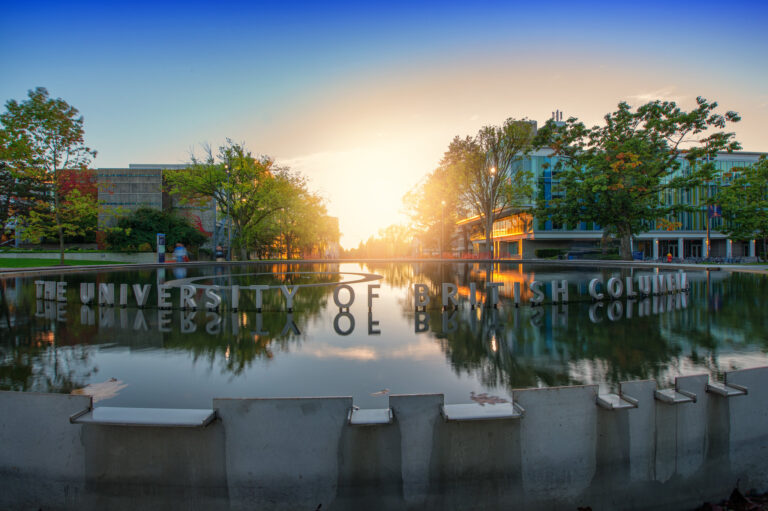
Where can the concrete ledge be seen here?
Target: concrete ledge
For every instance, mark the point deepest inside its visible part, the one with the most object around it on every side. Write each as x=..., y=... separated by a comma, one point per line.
x=306, y=453
x=478, y=412
x=148, y=417
x=370, y=417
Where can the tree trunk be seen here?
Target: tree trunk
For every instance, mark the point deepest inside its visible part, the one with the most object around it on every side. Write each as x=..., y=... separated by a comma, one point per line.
x=58, y=219
x=243, y=254
x=625, y=239
x=488, y=233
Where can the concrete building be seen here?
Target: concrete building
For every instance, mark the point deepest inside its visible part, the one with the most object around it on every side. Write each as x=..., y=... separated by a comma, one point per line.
x=123, y=190
x=520, y=235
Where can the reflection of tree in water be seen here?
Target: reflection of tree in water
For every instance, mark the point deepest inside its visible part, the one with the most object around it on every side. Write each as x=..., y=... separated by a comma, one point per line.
x=550, y=348
x=395, y=274
x=31, y=356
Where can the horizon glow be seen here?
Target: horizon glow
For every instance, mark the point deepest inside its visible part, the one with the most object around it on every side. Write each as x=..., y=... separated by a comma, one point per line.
x=363, y=100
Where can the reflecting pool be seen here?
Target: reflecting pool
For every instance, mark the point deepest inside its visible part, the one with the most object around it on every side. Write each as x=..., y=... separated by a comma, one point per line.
x=331, y=343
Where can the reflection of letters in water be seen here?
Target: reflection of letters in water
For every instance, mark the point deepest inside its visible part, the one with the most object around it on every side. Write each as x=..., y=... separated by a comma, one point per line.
x=645, y=295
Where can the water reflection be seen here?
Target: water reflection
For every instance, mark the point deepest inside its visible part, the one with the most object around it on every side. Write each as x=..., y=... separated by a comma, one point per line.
x=57, y=347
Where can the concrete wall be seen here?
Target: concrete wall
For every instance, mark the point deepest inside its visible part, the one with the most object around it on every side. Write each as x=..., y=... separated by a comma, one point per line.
x=300, y=453
x=118, y=257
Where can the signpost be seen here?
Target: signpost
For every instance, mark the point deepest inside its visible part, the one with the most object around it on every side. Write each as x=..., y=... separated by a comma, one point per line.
x=160, y=248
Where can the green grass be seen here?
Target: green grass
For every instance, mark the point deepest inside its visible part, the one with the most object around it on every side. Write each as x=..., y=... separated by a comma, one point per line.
x=34, y=263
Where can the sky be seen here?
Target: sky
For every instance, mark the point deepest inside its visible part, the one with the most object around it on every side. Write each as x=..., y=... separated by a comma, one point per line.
x=364, y=98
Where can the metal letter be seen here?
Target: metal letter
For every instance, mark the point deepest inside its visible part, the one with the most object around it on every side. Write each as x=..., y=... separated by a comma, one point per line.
x=187, y=297
x=106, y=294
x=421, y=295
x=372, y=295
x=615, y=287
x=593, y=290
x=350, y=298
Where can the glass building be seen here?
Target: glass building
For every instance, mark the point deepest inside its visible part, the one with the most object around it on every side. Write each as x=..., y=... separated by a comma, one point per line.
x=519, y=235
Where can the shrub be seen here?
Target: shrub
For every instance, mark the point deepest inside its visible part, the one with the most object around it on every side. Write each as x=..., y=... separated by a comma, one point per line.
x=545, y=253
x=143, y=225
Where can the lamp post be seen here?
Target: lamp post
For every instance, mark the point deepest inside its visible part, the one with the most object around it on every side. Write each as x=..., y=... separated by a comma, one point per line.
x=492, y=197
x=442, y=230
x=229, y=217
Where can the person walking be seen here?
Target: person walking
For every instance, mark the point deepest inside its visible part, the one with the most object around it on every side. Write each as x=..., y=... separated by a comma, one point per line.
x=180, y=253
x=220, y=255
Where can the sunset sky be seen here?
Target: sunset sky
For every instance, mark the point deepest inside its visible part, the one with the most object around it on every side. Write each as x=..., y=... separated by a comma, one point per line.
x=363, y=100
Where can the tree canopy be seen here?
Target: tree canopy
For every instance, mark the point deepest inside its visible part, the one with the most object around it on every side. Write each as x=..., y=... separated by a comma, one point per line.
x=744, y=203
x=621, y=175
x=264, y=200
x=483, y=175
x=41, y=138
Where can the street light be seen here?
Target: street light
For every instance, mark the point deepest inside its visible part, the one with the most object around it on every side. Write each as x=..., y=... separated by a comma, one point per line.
x=442, y=230
x=489, y=225
x=229, y=217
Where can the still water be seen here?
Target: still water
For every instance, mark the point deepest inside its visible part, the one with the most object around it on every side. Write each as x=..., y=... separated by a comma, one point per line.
x=149, y=357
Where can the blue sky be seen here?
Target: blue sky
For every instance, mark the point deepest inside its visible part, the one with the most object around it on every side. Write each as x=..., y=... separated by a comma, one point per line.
x=363, y=97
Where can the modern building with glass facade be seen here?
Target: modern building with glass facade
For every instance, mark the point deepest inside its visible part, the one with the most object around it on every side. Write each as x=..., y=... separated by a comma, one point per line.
x=520, y=235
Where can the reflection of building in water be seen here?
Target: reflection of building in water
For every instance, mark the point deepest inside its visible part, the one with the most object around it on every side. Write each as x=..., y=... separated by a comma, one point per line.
x=519, y=235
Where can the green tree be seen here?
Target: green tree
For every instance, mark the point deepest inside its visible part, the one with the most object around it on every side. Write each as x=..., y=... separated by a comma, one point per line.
x=76, y=216
x=434, y=206
x=489, y=172
x=745, y=204
x=141, y=227
x=50, y=133
x=250, y=190
x=621, y=175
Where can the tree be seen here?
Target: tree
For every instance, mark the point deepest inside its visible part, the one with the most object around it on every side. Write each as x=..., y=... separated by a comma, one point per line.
x=621, y=175
x=745, y=204
x=77, y=217
x=141, y=228
x=434, y=206
x=489, y=171
x=50, y=134
x=248, y=189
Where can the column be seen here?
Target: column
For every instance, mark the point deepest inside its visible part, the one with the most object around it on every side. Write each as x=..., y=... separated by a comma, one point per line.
x=752, y=248
x=728, y=248
x=680, y=248
x=704, y=248
x=655, y=248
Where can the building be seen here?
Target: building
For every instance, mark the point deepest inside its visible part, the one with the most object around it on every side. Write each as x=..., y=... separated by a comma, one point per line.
x=520, y=235
x=124, y=190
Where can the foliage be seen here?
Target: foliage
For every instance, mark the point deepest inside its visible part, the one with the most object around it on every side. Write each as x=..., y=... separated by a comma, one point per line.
x=271, y=207
x=249, y=190
x=434, y=207
x=76, y=217
x=140, y=228
x=483, y=174
x=545, y=253
x=392, y=241
x=745, y=204
x=18, y=191
x=618, y=175
x=47, y=136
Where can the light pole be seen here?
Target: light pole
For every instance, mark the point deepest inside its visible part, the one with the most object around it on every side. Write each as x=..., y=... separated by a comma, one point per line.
x=492, y=197
x=229, y=217
x=442, y=230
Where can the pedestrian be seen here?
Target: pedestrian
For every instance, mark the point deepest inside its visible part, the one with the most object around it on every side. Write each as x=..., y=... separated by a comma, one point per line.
x=180, y=253
x=669, y=257
x=219, y=254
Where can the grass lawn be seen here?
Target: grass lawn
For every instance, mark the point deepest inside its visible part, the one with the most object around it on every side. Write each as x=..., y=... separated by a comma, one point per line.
x=34, y=263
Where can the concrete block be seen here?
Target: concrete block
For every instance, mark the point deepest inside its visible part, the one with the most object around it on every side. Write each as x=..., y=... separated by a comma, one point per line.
x=416, y=418
x=748, y=421
x=282, y=453
x=41, y=456
x=558, y=441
